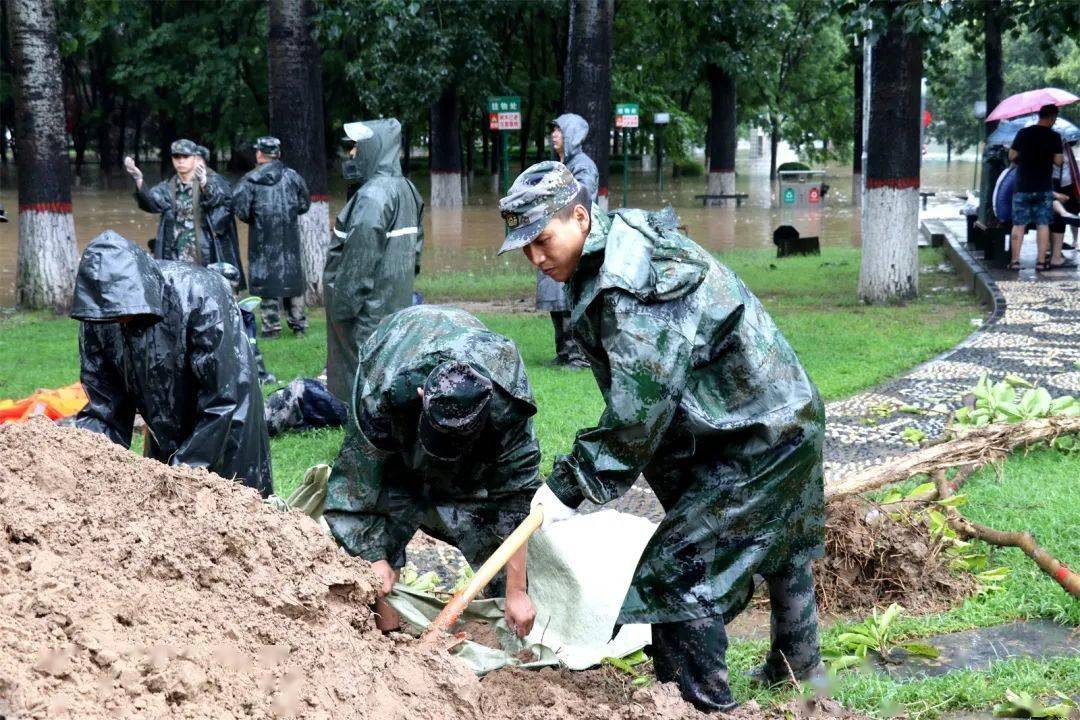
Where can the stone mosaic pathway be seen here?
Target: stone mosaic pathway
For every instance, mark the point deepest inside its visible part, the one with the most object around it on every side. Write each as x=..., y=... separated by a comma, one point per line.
x=1034, y=334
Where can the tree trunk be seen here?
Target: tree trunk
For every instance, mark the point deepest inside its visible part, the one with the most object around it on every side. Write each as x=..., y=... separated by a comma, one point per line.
x=47, y=253
x=948, y=151
x=446, y=150
x=774, y=145
x=721, y=140
x=296, y=118
x=587, y=78
x=890, y=219
x=995, y=85
x=857, y=146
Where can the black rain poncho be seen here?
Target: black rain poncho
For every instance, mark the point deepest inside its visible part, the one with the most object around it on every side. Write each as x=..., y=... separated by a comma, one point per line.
x=705, y=398
x=215, y=229
x=270, y=198
x=374, y=254
x=182, y=361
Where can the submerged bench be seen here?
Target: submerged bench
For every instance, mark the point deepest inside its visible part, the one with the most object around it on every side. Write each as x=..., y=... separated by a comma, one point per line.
x=926, y=196
x=737, y=197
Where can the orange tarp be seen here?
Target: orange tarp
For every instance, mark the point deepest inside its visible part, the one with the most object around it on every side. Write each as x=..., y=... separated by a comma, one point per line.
x=53, y=404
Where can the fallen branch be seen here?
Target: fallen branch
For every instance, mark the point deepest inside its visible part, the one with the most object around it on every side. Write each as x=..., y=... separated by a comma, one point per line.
x=1067, y=578
x=976, y=447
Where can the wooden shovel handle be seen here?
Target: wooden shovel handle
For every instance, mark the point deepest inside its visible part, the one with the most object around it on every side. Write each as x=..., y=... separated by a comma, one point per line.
x=453, y=609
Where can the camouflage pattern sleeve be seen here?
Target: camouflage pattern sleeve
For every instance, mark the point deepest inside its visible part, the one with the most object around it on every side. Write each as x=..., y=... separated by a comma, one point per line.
x=352, y=508
x=517, y=467
x=648, y=358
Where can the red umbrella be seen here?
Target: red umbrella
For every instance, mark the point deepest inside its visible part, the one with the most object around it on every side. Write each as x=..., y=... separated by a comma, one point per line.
x=1029, y=102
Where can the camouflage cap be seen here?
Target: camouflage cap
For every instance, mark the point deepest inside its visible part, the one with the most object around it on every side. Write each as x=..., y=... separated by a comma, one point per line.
x=535, y=197
x=268, y=145
x=457, y=399
x=203, y=151
x=183, y=146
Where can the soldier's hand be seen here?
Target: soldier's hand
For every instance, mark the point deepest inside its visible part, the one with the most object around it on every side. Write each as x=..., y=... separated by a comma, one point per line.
x=520, y=612
x=200, y=173
x=554, y=508
x=132, y=169
x=387, y=577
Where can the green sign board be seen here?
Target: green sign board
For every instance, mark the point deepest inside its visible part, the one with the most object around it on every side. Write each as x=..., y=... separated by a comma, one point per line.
x=504, y=112
x=504, y=103
x=626, y=109
x=789, y=196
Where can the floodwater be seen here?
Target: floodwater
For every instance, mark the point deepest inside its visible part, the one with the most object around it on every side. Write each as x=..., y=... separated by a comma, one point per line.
x=464, y=238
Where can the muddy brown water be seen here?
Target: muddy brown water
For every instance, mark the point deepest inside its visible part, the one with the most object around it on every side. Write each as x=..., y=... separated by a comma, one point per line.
x=466, y=238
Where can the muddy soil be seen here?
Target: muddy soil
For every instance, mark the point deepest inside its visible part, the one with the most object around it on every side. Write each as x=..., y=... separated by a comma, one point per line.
x=872, y=560
x=130, y=589
x=557, y=694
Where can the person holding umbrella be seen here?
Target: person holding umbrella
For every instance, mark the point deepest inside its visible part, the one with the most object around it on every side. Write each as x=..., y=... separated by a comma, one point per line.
x=1036, y=150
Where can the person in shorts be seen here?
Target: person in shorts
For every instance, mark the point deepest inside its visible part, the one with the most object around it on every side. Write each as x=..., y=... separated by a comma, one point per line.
x=1035, y=150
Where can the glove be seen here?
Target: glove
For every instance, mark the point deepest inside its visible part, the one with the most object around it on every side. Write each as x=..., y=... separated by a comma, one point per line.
x=554, y=508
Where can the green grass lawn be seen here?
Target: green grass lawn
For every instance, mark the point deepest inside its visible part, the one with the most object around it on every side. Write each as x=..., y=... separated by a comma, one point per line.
x=845, y=345
x=1034, y=492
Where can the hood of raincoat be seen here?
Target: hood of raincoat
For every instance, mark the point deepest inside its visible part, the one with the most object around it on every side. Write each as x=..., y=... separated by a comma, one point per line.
x=116, y=279
x=380, y=154
x=269, y=173
x=574, y=129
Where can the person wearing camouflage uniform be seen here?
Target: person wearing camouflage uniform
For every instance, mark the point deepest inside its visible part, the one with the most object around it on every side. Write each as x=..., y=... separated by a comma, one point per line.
x=706, y=399
x=270, y=198
x=568, y=132
x=459, y=459
x=374, y=253
x=194, y=209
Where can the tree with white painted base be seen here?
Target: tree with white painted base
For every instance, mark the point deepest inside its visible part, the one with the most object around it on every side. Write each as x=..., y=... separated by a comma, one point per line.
x=722, y=127
x=296, y=118
x=889, y=271
x=446, y=150
x=47, y=252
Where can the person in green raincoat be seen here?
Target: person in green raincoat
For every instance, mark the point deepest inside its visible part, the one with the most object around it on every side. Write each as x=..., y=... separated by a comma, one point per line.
x=440, y=438
x=706, y=399
x=374, y=253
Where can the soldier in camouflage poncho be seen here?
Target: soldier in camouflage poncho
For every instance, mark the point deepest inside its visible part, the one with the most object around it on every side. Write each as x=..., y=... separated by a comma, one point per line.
x=440, y=438
x=707, y=400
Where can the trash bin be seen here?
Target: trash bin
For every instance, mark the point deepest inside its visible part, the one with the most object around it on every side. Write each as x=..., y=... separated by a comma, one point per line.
x=801, y=189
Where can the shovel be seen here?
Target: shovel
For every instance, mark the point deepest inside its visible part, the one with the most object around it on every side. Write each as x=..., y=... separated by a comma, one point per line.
x=453, y=609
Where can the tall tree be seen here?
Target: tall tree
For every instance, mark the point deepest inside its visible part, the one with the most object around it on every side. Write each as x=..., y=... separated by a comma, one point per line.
x=587, y=79
x=723, y=122
x=47, y=251
x=296, y=118
x=890, y=214
x=446, y=150
x=857, y=128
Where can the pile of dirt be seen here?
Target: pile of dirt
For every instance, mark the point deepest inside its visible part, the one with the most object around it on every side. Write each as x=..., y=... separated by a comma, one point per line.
x=129, y=588
x=872, y=560
x=133, y=589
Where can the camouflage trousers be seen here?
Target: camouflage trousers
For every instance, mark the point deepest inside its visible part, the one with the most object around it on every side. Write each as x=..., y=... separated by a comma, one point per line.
x=692, y=653
x=271, y=315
